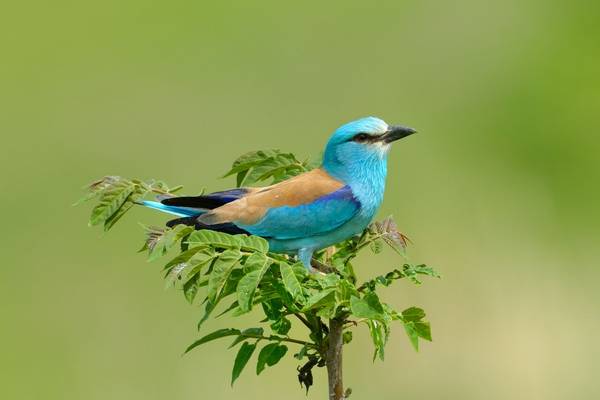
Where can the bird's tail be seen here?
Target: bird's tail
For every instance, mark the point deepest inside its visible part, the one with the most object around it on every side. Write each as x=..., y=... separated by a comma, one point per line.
x=174, y=210
x=187, y=209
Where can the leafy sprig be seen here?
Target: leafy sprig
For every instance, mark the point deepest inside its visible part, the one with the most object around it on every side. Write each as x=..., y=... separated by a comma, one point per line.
x=212, y=268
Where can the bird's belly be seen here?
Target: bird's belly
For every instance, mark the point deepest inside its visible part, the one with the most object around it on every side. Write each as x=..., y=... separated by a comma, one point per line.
x=353, y=227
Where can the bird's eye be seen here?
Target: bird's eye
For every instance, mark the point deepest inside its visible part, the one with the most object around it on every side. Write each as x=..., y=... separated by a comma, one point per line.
x=361, y=137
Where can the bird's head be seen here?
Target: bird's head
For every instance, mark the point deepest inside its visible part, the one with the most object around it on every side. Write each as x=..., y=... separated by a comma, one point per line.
x=365, y=140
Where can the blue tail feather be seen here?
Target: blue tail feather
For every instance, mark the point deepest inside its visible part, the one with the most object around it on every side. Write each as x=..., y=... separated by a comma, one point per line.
x=178, y=211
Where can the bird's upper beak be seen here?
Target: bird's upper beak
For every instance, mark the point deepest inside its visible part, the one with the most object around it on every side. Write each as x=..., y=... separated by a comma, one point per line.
x=396, y=132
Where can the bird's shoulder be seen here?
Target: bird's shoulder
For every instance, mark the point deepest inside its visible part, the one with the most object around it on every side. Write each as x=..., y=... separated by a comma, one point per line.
x=301, y=189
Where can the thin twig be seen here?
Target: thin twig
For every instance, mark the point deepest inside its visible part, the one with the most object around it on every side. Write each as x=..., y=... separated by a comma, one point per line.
x=279, y=339
x=304, y=320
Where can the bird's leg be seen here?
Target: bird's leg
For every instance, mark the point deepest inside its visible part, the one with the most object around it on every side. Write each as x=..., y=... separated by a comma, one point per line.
x=305, y=255
x=311, y=264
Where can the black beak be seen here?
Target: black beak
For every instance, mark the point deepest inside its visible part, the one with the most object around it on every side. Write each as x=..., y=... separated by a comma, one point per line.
x=396, y=132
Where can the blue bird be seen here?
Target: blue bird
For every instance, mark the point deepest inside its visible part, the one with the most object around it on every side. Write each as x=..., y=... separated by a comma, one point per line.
x=310, y=211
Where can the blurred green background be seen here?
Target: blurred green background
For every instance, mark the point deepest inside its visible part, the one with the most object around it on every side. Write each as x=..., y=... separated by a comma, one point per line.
x=499, y=190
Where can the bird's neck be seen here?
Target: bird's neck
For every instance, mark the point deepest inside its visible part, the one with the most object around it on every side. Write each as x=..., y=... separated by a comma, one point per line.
x=366, y=177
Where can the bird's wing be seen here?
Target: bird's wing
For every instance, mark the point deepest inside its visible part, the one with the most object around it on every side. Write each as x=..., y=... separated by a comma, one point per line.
x=306, y=205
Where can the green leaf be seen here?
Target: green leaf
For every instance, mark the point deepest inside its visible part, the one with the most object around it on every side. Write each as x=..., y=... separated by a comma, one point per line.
x=346, y=291
x=248, y=160
x=221, y=269
x=408, y=271
x=423, y=330
x=302, y=353
x=415, y=327
x=261, y=165
x=412, y=272
x=253, y=243
x=190, y=288
x=379, y=337
x=212, y=336
x=161, y=241
x=139, y=191
x=232, y=282
x=247, y=334
x=328, y=280
x=111, y=200
x=182, y=273
x=214, y=239
x=368, y=307
x=249, y=282
x=414, y=314
x=319, y=299
x=412, y=334
x=376, y=246
x=291, y=282
x=270, y=355
x=241, y=360
x=225, y=241
x=184, y=257
x=282, y=326
x=98, y=187
x=347, y=337
x=208, y=309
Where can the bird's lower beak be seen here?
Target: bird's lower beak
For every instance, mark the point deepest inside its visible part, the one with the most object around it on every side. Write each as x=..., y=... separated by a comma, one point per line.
x=396, y=132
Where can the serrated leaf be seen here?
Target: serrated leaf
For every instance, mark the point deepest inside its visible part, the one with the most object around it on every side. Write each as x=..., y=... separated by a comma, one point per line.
x=220, y=273
x=368, y=307
x=423, y=330
x=282, y=326
x=97, y=187
x=328, y=280
x=111, y=200
x=253, y=243
x=213, y=336
x=232, y=282
x=413, y=314
x=270, y=355
x=302, y=353
x=190, y=288
x=290, y=281
x=209, y=307
x=415, y=327
x=183, y=272
x=319, y=299
x=387, y=230
x=242, y=358
x=412, y=271
x=327, y=311
x=379, y=337
x=138, y=192
x=259, y=166
x=345, y=291
x=215, y=239
x=279, y=167
x=376, y=246
x=412, y=334
x=249, y=282
x=247, y=160
x=164, y=242
x=347, y=337
x=185, y=257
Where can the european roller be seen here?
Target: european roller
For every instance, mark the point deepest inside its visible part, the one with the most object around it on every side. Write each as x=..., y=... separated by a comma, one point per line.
x=310, y=211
